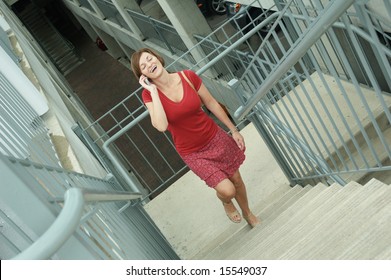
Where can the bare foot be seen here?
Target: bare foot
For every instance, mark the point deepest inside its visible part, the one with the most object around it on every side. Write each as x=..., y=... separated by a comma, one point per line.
x=252, y=220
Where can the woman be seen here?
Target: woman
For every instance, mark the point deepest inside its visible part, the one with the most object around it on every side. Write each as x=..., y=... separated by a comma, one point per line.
x=174, y=102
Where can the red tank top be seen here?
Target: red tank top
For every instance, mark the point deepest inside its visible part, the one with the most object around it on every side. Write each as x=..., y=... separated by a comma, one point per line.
x=191, y=128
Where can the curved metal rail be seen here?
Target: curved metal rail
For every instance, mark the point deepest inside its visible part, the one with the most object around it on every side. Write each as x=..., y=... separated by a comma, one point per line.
x=68, y=221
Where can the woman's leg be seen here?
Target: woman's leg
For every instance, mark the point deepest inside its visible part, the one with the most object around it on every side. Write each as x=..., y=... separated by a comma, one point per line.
x=225, y=191
x=241, y=198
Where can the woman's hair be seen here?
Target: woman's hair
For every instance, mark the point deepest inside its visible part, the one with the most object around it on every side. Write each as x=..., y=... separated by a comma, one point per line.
x=135, y=60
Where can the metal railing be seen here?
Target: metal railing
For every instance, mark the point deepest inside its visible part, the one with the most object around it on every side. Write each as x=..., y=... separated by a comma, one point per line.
x=105, y=230
x=111, y=13
x=68, y=221
x=321, y=130
x=287, y=85
x=32, y=180
x=23, y=133
x=161, y=33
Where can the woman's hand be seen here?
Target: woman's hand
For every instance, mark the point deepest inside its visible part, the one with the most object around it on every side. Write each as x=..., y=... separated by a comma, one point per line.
x=239, y=140
x=145, y=83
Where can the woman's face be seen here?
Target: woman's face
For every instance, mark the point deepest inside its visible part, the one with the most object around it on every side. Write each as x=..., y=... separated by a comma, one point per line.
x=150, y=66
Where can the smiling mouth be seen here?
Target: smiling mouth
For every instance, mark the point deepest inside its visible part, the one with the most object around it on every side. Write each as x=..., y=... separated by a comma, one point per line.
x=153, y=69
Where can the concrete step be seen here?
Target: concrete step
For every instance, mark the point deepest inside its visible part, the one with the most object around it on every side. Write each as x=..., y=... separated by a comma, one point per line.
x=329, y=231
x=371, y=234
x=374, y=156
x=277, y=200
x=232, y=250
x=282, y=226
x=350, y=222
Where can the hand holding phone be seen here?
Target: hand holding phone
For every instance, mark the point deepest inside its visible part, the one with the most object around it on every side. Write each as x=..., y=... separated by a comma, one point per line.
x=147, y=82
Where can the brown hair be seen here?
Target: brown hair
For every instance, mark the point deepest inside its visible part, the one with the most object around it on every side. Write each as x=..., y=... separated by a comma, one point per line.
x=135, y=60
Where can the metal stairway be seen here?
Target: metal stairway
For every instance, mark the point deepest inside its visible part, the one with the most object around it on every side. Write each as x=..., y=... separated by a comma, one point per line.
x=61, y=52
x=350, y=222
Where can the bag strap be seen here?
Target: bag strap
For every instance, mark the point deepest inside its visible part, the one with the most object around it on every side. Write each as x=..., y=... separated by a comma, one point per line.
x=191, y=85
x=188, y=81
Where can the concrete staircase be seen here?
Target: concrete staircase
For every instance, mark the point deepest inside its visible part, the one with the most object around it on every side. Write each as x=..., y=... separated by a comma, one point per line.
x=321, y=222
x=311, y=222
x=60, y=51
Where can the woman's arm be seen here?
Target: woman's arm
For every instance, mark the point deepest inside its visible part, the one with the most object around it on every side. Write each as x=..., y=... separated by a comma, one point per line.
x=155, y=108
x=157, y=114
x=211, y=103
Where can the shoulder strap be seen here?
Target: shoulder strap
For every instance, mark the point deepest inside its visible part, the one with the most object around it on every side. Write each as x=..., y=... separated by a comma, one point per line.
x=188, y=81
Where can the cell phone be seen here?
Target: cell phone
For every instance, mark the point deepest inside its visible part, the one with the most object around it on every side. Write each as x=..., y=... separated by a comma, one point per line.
x=147, y=81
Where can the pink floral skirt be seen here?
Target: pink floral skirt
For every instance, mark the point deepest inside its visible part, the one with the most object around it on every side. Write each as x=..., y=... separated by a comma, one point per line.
x=218, y=160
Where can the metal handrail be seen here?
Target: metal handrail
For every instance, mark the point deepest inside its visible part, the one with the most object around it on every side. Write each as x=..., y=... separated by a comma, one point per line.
x=324, y=22
x=106, y=146
x=320, y=26
x=68, y=221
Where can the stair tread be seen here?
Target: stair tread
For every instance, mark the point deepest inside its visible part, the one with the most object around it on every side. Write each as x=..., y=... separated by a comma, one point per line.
x=273, y=199
x=347, y=236
x=323, y=234
x=371, y=240
x=308, y=196
x=353, y=221
x=283, y=226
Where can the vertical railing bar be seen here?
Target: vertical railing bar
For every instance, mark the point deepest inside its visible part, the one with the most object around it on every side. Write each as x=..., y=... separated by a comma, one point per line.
x=280, y=45
x=143, y=156
x=257, y=71
x=156, y=148
x=277, y=105
x=106, y=224
x=314, y=87
x=252, y=80
x=268, y=62
x=121, y=226
x=140, y=235
x=382, y=58
x=134, y=170
x=158, y=188
x=283, y=101
x=333, y=72
x=266, y=39
x=321, y=120
x=363, y=100
x=162, y=38
x=106, y=134
x=19, y=114
x=216, y=49
x=16, y=146
x=375, y=42
x=324, y=105
x=282, y=142
x=318, y=169
x=309, y=78
x=26, y=113
x=285, y=144
x=32, y=148
x=280, y=146
x=95, y=234
x=127, y=98
x=304, y=139
x=240, y=59
x=101, y=230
